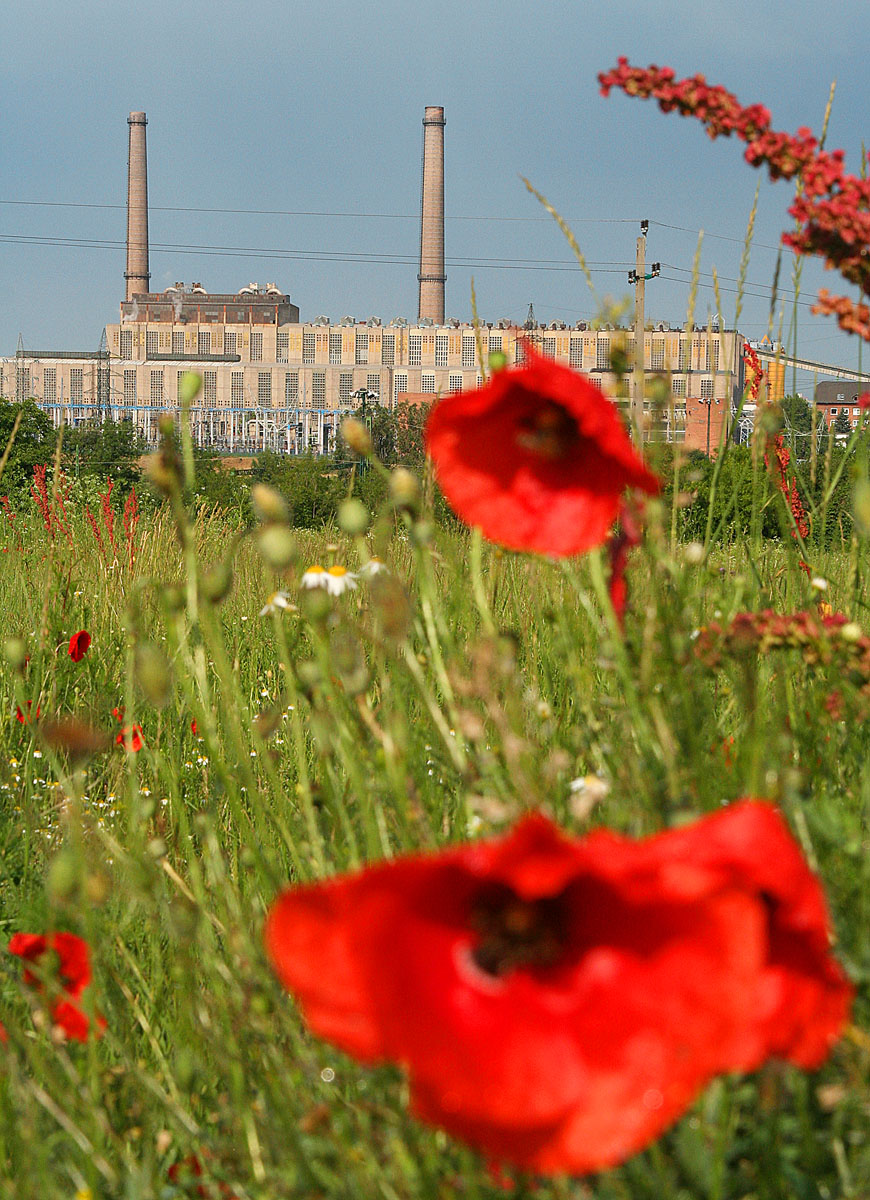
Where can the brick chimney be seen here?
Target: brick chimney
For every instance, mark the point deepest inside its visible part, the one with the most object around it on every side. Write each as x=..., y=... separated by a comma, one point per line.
x=432, y=277
x=137, y=274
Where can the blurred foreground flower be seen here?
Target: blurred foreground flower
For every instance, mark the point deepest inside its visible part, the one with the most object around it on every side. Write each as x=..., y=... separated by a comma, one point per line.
x=276, y=601
x=67, y=983
x=79, y=644
x=131, y=739
x=335, y=580
x=538, y=458
x=559, y=1002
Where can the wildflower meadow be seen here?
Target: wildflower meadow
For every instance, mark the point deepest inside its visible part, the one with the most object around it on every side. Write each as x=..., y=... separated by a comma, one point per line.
x=506, y=833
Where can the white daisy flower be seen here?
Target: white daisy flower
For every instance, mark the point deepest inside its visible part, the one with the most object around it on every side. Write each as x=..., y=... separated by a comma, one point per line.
x=276, y=600
x=338, y=580
x=373, y=567
x=314, y=577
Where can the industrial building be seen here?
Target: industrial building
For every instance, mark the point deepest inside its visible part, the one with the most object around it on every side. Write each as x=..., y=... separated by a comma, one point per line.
x=272, y=381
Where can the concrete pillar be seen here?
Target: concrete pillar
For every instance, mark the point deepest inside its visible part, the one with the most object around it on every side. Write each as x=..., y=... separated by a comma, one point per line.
x=137, y=274
x=432, y=277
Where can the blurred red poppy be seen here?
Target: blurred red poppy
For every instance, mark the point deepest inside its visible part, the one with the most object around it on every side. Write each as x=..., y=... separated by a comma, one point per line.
x=558, y=1002
x=79, y=644
x=73, y=974
x=131, y=738
x=538, y=458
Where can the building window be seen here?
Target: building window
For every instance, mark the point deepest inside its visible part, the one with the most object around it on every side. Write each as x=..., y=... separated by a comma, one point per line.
x=264, y=388
x=400, y=384
x=373, y=384
x=576, y=352
x=388, y=349
x=455, y=384
x=282, y=347
x=441, y=344
x=415, y=349
x=427, y=384
x=549, y=347
x=49, y=386
x=345, y=386
x=362, y=348
x=230, y=343
x=469, y=351
x=157, y=388
x=129, y=387
x=494, y=346
x=291, y=387
x=308, y=344
x=657, y=354
x=256, y=347
x=706, y=389
x=679, y=387
x=150, y=344
x=237, y=389
x=76, y=385
x=203, y=341
x=22, y=384
x=127, y=343
x=209, y=388
x=602, y=354
x=318, y=389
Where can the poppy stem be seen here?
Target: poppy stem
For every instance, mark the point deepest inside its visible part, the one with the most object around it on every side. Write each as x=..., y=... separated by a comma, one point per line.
x=477, y=587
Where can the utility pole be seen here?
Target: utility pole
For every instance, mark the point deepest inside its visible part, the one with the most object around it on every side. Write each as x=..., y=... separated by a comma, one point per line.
x=639, y=277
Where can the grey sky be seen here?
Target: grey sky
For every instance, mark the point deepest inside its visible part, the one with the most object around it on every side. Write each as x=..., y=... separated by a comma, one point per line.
x=317, y=108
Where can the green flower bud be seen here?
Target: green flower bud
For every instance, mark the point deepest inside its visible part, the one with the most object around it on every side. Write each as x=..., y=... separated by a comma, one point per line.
x=188, y=387
x=269, y=504
x=216, y=582
x=356, y=436
x=277, y=545
x=353, y=517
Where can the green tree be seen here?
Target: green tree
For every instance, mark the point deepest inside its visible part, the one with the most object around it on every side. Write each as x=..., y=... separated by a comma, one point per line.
x=842, y=424
x=107, y=450
x=34, y=442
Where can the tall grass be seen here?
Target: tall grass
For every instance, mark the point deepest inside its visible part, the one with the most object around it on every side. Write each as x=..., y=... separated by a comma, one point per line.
x=428, y=706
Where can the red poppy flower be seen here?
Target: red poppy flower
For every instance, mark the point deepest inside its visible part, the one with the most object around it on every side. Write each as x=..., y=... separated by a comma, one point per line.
x=131, y=738
x=538, y=458
x=24, y=718
x=79, y=645
x=73, y=976
x=188, y=1170
x=558, y=1002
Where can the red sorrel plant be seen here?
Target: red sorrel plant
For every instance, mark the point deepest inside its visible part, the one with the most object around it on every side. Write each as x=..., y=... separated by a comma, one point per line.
x=831, y=207
x=52, y=506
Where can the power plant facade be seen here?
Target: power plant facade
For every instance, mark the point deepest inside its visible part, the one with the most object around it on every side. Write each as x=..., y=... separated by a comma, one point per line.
x=272, y=381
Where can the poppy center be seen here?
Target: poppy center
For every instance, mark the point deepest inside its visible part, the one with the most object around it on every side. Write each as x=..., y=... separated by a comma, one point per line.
x=550, y=431
x=515, y=933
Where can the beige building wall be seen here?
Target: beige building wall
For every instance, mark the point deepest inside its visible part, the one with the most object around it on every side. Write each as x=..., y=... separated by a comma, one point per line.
x=320, y=365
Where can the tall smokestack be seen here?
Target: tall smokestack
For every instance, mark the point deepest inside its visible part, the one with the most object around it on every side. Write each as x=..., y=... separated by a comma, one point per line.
x=432, y=277
x=137, y=274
